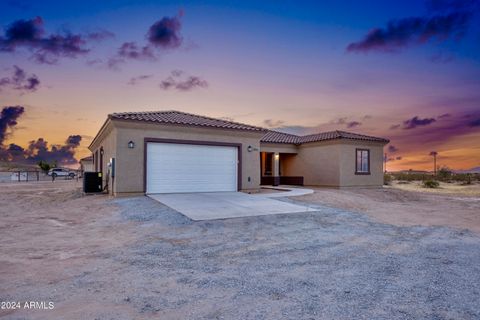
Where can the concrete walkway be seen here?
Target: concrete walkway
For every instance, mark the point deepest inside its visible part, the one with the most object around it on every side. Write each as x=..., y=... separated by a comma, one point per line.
x=285, y=191
x=223, y=205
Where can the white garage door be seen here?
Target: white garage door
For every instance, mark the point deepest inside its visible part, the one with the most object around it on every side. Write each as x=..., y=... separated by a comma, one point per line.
x=175, y=168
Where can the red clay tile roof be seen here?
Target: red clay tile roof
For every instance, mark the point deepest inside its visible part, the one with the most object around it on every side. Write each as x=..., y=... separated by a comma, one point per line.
x=183, y=118
x=339, y=135
x=188, y=119
x=280, y=137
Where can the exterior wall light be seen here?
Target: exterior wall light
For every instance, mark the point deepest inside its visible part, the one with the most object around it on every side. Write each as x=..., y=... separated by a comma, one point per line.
x=131, y=144
x=250, y=149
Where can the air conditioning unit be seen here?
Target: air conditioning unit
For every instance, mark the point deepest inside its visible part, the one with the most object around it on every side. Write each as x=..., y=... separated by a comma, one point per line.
x=92, y=182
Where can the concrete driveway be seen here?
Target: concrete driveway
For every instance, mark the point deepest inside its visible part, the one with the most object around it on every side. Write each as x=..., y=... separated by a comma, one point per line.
x=223, y=205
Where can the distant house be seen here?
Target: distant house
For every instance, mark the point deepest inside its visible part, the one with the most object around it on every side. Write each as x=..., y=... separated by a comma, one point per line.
x=173, y=152
x=86, y=164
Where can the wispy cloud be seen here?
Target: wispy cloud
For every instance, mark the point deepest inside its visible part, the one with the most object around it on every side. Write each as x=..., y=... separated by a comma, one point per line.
x=448, y=20
x=353, y=124
x=162, y=35
x=350, y=124
x=31, y=35
x=175, y=81
x=135, y=80
x=19, y=80
x=392, y=149
x=269, y=123
x=417, y=122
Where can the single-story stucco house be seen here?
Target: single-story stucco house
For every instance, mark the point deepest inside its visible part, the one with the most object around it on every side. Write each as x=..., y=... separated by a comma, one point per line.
x=86, y=164
x=174, y=152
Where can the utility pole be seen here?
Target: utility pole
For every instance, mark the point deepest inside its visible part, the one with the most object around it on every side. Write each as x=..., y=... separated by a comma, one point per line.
x=434, y=154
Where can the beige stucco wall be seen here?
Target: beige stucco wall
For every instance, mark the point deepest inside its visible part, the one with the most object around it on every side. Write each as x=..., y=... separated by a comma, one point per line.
x=107, y=140
x=130, y=162
x=332, y=163
x=87, y=166
x=348, y=178
x=317, y=162
x=278, y=147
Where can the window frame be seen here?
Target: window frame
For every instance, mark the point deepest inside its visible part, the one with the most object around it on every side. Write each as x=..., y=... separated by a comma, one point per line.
x=361, y=158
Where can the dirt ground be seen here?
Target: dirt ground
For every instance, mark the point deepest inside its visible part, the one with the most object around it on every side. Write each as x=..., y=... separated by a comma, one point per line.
x=408, y=204
x=453, y=189
x=96, y=257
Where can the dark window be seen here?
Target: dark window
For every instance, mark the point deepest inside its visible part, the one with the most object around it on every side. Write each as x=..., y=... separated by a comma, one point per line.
x=362, y=161
x=101, y=160
x=268, y=164
x=96, y=161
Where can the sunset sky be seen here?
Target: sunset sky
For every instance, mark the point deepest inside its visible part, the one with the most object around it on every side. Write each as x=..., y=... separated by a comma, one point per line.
x=408, y=71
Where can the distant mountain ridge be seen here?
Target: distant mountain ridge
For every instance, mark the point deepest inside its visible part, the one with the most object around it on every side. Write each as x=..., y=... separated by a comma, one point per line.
x=471, y=170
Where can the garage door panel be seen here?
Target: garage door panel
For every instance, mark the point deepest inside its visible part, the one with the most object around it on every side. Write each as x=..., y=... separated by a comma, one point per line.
x=173, y=168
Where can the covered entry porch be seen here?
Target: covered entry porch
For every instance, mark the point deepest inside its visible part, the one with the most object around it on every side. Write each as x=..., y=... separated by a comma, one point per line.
x=277, y=168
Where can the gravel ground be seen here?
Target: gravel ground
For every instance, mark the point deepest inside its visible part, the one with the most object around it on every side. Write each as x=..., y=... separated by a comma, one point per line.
x=329, y=264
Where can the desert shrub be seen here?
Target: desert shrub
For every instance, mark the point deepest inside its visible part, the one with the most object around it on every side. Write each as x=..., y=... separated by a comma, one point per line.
x=464, y=178
x=387, y=179
x=431, y=184
x=404, y=176
x=444, y=174
x=45, y=166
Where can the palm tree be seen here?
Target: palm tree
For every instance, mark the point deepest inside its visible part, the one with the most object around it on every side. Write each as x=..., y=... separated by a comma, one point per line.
x=434, y=154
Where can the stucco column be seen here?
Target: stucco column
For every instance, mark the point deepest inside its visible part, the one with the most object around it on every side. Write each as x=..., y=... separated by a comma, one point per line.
x=276, y=169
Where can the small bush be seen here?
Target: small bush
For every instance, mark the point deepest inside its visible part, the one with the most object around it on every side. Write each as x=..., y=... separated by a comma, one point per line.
x=431, y=184
x=444, y=174
x=387, y=179
x=404, y=176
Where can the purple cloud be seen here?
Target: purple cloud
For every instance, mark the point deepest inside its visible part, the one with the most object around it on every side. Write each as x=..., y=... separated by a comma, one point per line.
x=8, y=120
x=353, y=124
x=406, y=32
x=348, y=124
x=100, y=35
x=417, y=122
x=165, y=33
x=392, y=149
x=20, y=81
x=190, y=83
x=39, y=150
x=130, y=50
x=474, y=123
x=30, y=34
x=273, y=123
x=394, y=126
x=135, y=80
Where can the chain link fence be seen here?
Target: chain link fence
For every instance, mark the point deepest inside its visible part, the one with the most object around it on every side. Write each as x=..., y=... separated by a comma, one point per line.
x=33, y=175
